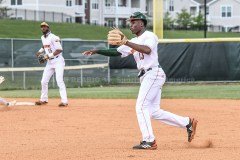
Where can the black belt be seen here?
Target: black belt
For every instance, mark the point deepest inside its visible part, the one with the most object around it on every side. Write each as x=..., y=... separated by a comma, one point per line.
x=53, y=58
x=142, y=72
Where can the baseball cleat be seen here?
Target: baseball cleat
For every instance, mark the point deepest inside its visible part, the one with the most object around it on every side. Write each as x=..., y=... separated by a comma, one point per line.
x=39, y=103
x=63, y=105
x=12, y=103
x=146, y=145
x=191, y=129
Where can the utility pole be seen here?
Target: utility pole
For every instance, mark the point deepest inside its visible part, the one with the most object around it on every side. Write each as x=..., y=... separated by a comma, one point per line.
x=116, y=13
x=158, y=18
x=205, y=18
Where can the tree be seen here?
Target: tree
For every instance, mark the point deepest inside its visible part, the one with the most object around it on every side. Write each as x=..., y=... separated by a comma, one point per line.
x=168, y=21
x=3, y=11
x=184, y=19
x=198, y=22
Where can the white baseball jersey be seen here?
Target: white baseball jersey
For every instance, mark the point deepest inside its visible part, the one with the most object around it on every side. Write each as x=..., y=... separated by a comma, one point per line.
x=143, y=60
x=51, y=43
x=149, y=96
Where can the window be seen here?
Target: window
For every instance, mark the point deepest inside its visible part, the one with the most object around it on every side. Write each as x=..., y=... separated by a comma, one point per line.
x=226, y=11
x=95, y=4
x=122, y=3
x=78, y=2
x=69, y=20
x=207, y=11
x=95, y=22
x=229, y=11
x=110, y=23
x=16, y=2
x=69, y=3
x=171, y=6
x=108, y=3
x=19, y=2
x=193, y=10
x=135, y=3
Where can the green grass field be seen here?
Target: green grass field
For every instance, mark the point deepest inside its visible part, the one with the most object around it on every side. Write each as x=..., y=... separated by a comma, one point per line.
x=207, y=91
x=29, y=29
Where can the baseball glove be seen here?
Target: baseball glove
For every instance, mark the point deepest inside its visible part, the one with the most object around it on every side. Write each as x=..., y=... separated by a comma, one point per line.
x=116, y=37
x=41, y=58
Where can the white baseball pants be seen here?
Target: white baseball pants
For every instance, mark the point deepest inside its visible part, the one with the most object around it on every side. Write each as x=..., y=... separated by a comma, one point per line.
x=3, y=101
x=56, y=65
x=148, y=104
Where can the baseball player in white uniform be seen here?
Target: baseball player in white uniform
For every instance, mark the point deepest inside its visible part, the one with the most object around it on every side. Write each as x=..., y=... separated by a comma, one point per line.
x=152, y=77
x=55, y=63
x=2, y=100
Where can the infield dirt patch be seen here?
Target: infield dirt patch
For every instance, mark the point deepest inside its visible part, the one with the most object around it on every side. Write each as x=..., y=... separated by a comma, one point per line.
x=104, y=129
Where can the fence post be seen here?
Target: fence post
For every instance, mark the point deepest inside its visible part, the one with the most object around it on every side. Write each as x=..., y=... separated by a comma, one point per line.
x=62, y=16
x=24, y=80
x=53, y=80
x=43, y=15
x=25, y=14
x=53, y=16
x=12, y=58
x=16, y=13
x=109, y=76
x=81, y=77
x=35, y=15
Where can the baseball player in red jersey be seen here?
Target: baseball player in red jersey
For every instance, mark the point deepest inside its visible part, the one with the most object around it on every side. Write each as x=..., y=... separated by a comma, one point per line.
x=55, y=63
x=152, y=77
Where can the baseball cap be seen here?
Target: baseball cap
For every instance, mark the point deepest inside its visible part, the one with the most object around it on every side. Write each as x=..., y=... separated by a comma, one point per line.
x=137, y=15
x=44, y=24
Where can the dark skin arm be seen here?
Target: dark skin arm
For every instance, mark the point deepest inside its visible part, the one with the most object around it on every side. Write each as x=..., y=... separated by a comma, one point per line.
x=139, y=48
x=58, y=51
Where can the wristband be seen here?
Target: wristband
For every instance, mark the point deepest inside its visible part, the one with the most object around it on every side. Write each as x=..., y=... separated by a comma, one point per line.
x=50, y=55
x=41, y=50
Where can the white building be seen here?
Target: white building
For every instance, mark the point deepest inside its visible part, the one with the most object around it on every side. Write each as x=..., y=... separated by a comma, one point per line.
x=222, y=15
x=49, y=10
x=113, y=12
x=100, y=12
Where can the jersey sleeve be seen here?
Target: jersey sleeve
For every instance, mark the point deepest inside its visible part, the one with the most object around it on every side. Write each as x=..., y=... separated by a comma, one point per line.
x=56, y=43
x=151, y=41
x=124, y=50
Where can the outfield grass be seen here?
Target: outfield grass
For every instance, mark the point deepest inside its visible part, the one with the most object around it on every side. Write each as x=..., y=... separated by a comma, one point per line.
x=29, y=29
x=169, y=91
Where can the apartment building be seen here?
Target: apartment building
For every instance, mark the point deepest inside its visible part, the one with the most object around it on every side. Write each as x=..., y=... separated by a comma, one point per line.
x=99, y=12
x=39, y=10
x=113, y=12
x=222, y=15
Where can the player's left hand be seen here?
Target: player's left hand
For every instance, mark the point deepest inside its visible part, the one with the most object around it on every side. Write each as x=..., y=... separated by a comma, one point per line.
x=116, y=37
x=2, y=79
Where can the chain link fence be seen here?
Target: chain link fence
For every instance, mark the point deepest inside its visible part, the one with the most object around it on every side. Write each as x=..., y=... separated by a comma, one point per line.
x=19, y=53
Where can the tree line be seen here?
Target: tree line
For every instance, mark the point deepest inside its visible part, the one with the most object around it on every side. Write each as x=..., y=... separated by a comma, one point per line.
x=184, y=20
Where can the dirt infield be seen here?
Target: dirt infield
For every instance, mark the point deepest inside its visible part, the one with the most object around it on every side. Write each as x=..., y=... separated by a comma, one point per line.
x=102, y=129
